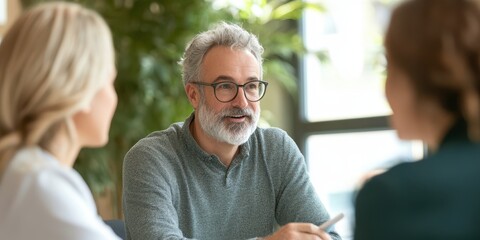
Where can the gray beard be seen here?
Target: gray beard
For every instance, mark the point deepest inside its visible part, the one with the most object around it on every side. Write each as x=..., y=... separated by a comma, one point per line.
x=232, y=133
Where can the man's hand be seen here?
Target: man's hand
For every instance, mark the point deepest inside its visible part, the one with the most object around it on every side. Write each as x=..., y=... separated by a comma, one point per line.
x=299, y=231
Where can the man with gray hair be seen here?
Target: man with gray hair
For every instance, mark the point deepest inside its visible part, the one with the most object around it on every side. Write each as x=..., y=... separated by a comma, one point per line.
x=217, y=175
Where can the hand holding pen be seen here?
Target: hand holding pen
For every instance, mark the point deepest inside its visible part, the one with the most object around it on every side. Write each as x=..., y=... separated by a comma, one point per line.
x=304, y=230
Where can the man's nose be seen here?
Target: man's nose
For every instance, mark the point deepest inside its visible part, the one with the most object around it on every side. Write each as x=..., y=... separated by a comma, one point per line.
x=240, y=100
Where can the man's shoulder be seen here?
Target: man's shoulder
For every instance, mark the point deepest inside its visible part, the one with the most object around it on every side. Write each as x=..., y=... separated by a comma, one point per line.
x=272, y=136
x=158, y=142
x=270, y=132
x=272, y=139
x=170, y=134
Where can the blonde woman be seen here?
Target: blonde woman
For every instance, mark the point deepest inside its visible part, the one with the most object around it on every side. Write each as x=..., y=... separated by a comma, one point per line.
x=56, y=96
x=433, y=87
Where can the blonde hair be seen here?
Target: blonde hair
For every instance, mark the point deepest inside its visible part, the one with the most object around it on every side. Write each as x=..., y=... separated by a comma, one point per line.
x=52, y=63
x=437, y=43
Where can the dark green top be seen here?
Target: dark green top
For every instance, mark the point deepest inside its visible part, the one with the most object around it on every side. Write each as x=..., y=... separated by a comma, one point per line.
x=175, y=190
x=434, y=198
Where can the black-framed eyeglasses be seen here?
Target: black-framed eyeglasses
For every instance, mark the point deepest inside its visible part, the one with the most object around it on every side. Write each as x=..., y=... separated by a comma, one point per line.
x=227, y=91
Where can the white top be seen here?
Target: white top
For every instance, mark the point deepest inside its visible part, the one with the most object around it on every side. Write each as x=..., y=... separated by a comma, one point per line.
x=41, y=199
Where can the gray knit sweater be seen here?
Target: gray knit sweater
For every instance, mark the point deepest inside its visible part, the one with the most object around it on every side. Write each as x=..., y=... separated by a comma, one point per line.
x=175, y=190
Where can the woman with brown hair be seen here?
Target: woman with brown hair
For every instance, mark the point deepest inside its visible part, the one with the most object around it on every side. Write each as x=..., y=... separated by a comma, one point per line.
x=433, y=88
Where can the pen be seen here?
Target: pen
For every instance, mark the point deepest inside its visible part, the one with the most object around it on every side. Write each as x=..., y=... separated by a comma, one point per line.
x=330, y=222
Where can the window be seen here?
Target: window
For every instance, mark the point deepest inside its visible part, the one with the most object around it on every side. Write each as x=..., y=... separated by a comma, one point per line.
x=340, y=162
x=343, y=126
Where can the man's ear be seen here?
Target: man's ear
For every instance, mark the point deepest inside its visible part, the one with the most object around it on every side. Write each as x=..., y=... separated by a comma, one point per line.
x=192, y=94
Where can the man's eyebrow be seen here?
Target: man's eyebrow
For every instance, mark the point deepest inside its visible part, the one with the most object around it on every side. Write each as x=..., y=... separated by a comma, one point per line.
x=223, y=78
x=253, y=79
x=228, y=78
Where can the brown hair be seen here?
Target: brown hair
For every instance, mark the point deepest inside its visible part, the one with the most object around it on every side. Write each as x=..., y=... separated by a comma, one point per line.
x=437, y=44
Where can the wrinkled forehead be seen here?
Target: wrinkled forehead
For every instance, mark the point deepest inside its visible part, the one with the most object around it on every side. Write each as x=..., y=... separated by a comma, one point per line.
x=223, y=62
